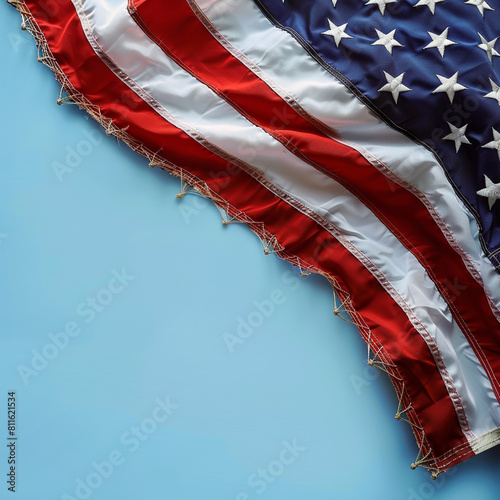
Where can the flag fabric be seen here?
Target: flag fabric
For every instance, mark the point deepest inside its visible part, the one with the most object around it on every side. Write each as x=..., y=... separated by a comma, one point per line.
x=359, y=140
x=408, y=57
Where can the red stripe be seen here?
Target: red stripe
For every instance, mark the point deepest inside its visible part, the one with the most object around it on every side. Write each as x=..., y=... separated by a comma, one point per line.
x=299, y=234
x=184, y=38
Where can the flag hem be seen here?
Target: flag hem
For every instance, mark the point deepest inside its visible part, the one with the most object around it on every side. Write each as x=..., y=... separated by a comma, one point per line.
x=190, y=183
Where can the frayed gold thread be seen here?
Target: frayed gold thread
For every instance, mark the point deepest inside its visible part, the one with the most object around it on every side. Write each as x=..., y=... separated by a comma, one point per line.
x=191, y=184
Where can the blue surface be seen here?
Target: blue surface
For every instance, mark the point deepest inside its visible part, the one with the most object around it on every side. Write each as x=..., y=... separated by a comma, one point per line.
x=298, y=381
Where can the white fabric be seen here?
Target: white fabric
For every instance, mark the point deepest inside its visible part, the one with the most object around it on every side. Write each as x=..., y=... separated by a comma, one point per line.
x=194, y=108
x=286, y=63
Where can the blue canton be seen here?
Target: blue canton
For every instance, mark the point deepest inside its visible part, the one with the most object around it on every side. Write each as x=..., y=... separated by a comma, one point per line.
x=428, y=67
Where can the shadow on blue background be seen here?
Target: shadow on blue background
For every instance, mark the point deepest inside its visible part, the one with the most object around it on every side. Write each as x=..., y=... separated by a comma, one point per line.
x=143, y=395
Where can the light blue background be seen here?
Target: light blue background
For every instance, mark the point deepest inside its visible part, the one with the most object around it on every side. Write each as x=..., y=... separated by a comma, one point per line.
x=300, y=376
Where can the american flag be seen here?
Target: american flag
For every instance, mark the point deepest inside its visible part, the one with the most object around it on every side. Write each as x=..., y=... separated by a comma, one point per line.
x=359, y=139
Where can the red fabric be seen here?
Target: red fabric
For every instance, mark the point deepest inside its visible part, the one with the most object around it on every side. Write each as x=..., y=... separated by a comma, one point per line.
x=299, y=234
x=184, y=38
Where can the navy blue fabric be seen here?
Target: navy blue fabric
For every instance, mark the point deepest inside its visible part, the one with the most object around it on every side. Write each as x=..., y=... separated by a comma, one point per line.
x=420, y=113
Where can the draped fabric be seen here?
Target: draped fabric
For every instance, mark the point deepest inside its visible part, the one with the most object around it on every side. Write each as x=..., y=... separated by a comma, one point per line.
x=430, y=67
x=254, y=105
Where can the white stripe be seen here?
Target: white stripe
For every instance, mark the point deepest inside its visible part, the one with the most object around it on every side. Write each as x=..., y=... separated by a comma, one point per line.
x=201, y=111
x=286, y=63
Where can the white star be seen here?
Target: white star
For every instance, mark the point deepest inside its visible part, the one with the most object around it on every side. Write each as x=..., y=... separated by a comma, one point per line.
x=337, y=32
x=381, y=4
x=449, y=85
x=495, y=143
x=457, y=135
x=394, y=85
x=439, y=42
x=480, y=4
x=491, y=191
x=387, y=40
x=334, y=3
x=488, y=47
x=495, y=92
x=430, y=3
